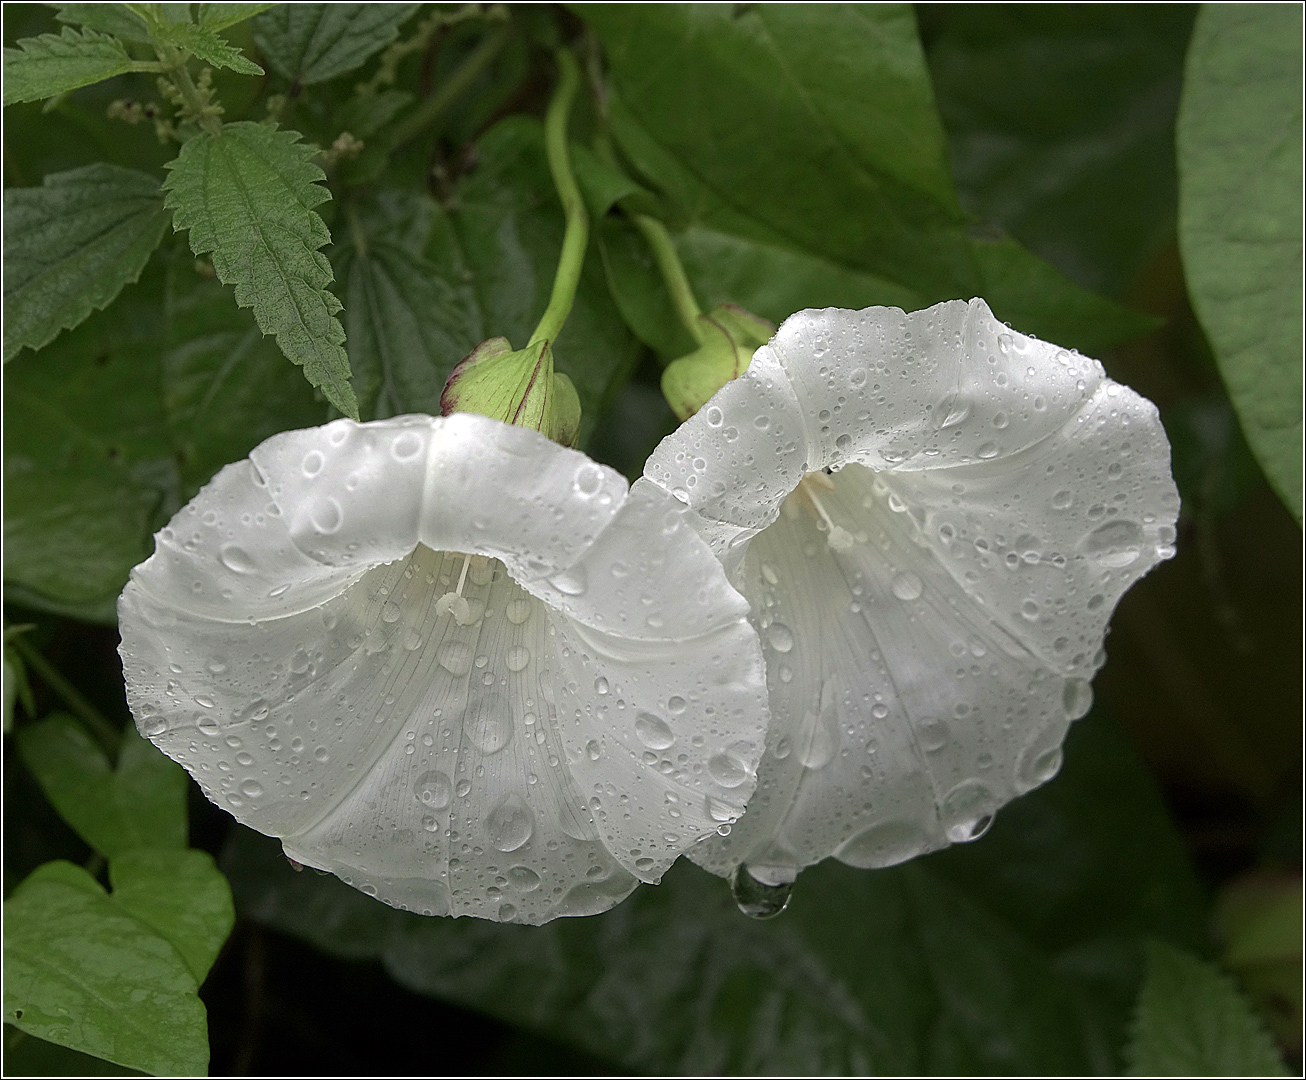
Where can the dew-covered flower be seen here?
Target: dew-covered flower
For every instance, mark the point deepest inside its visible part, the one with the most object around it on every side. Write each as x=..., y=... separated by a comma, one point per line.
x=455, y=663
x=933, y=518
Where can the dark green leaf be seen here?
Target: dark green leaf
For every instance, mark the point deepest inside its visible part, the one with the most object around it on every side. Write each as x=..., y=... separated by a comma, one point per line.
x=311, y=43
x=116, y=19
x=220, y=16
x=83, y=973
x=1240, y=219
x=204, y=42
x=17, y=689
x=1020, y=954
x=113, y=426
x=1193, y=1021
x=181, y=896
x=1060, y=123
x=140, y=803
x=71, y=245
x=26, y=1055
x=247, y=195
x=51, y=64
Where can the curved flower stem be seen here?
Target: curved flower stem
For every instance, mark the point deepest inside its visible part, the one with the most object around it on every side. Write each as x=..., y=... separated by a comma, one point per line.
x=577, y=234
x=673, y=273
x=105, y=733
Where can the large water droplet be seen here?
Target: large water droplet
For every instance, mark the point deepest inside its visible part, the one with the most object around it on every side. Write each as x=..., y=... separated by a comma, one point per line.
x=489, y=725
x=588, y=480
x=236, y=559
x=252, y=788
x=907, y=586
x=407, y=445
x=1077, y=698
x=570, y=582
x=518, y=611
x=967, y=811
x=313, y=462
x=1113, y=544
x=518, y=657
x=779, y=637
x=932, y=734
x=523, y=879
x=327, y=516
x=885, y=844
x=510, y=823
x=455, y=657
x=727, y=770
x=653, y=731
x=433, y=789
x=756, y=899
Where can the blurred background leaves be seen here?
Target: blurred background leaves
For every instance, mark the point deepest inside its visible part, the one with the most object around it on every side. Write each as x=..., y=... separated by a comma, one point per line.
x=802, y=156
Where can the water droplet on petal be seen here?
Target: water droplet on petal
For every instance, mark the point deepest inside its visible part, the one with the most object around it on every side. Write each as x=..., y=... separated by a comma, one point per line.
x=518, y=657
x=756, y=899
x=433, y=789
x=967, y=811
x=455, y=657
x=518, y=610
x=236, y=559
x=907, y=586
x=510, y=823
x=1077, y=698
x=727, y=770
x=653, y=731
x=779, y=637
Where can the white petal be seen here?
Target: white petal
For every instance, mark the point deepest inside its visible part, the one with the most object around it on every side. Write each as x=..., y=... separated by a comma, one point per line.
x=931, y=628
x=405, y=734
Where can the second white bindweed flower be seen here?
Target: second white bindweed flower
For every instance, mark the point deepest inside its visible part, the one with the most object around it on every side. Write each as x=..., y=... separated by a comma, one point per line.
x=933, y=518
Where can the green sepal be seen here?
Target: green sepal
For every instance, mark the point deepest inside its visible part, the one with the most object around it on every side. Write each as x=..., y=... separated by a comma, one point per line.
x=516, y=386
x=729, y=335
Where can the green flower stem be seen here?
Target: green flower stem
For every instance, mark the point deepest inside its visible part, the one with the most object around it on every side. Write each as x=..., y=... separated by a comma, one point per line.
x=673, y=273
x=201, y=112
x=105, y=733
x=577, y=234
x=452, y=88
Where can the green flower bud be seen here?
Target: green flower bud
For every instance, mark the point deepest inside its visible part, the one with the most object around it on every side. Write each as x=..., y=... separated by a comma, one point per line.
x=729, y=336
x=516, y=386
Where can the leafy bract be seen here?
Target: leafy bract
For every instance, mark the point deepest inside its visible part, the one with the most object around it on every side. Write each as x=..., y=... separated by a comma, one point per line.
x=1193, y=1021
x=842, y=161
x=1081, y=169
x=116, y=19
x=1240, y=219
x=83, y=972
x=116, y=423
x=1018, y=954
x=72, y=244
x=51, y=64
x=139, y=803
x=247, y=195
x=311, y=43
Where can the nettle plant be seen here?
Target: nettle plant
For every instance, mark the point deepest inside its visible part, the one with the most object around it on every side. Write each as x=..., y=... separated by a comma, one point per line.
x=396, y=615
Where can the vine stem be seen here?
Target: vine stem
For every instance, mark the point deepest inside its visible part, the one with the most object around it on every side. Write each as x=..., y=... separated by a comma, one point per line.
x=673, y=273
x=452, y=88
x=577, y=234
x=105, y=733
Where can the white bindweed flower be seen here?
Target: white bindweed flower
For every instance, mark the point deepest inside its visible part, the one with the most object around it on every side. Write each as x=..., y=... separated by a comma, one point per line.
x=453, y=662
x=933, y=518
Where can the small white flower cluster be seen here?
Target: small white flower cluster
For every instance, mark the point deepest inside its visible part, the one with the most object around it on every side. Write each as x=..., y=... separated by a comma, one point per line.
x=850, y=610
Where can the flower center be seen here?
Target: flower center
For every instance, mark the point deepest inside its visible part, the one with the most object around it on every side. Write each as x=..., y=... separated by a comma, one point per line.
x=808, y=496
x=454, y=603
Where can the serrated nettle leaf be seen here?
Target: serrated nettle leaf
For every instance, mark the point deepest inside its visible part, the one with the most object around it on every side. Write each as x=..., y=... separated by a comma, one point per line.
x=181, y=895
x=220, y=16
x=204, y=43
x=1017, y=955
x=311, y=43
x=115, y=424
x=247, y=195
x=837, y=159
x=72, y=244
x=138, y=803
x=1192, y=1020
x=115, y=19
x=51, y=64
x=1082, y=171
x=83, y=972
x=1240, y=220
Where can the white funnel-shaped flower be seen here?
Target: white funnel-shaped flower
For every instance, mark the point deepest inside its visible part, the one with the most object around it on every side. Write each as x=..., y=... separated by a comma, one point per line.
x=454, y=663
x=933, y=518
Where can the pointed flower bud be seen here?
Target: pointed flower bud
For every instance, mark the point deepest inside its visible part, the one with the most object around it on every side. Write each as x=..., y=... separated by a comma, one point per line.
x=516, y=386
x=729, y=334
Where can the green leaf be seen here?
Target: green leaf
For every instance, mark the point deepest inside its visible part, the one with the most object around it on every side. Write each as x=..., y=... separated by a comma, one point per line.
x=180, y=895
x=1193, y=1021
x=1060, y=122
x=26, y=1055
x=845, y=164
x=247, y=195
x=311, y=43
x=114, y=425
x=1019, y=954
x=1240, y=219
x=17, y=688
x=82, y=972
x=71, y=245
x=115, y=19
x=204, y=42
x=139, y=803
x=220, y=16
x=51, y=64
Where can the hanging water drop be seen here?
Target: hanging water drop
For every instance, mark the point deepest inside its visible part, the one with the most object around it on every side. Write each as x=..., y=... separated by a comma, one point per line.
x=756, y=899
